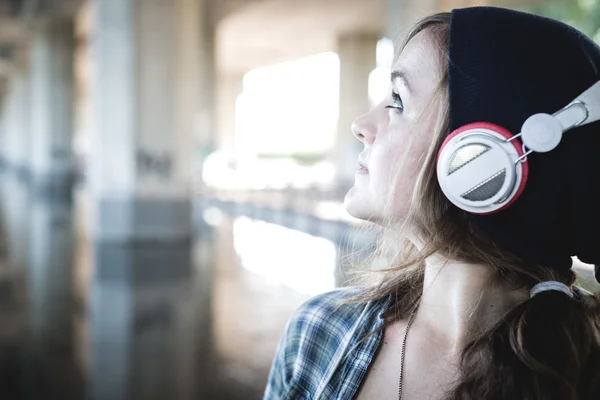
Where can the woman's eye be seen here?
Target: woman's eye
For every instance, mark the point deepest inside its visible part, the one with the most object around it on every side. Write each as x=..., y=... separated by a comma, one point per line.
x=397, y=102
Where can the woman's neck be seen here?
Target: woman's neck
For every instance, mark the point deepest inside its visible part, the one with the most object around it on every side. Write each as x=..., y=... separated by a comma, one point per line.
x=459, y=301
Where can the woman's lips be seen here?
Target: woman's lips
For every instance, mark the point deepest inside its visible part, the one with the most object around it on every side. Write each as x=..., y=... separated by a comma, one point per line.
x=362, y=169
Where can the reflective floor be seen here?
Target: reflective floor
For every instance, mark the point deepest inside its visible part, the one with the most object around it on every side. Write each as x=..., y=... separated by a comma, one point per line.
x=189, y=321
x=114, y=322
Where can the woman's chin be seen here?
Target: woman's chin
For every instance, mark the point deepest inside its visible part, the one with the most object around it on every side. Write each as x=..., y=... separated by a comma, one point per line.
x=352, y=204
x=353, y=212
x=358, y=210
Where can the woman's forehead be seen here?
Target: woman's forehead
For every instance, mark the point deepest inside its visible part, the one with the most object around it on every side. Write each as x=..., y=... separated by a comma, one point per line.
x=420, y=59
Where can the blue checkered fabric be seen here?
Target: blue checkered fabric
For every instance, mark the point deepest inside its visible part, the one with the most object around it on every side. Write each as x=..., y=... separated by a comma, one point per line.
x=321, y=355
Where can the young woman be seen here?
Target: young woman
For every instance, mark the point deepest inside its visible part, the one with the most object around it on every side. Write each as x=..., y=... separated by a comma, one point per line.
x=472, y=294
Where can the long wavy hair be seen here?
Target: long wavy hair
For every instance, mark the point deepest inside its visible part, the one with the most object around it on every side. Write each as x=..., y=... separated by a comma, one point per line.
x=547, y=347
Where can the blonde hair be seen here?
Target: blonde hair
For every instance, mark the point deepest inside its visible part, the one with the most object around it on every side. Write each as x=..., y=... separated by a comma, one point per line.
x=503, y=362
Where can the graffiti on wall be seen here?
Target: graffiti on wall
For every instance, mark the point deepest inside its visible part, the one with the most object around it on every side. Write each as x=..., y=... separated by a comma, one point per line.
x=154, y=164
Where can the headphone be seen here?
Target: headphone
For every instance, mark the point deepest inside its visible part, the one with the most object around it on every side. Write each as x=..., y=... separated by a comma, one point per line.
x=482, y=168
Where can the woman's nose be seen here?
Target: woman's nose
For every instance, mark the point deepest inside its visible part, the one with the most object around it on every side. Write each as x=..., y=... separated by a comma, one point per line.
x=363, y=129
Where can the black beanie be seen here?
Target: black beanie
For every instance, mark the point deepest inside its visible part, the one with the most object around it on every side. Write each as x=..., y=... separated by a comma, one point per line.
x=505, y=66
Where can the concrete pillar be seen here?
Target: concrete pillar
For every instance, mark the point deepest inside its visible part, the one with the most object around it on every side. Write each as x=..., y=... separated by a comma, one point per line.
x=4, y=124
x=146, y=96
x=52, y=104
x=396, y=18
x=357, y=54
x=140, y=310
x=205, y=120
x=16, y=150
x=51, y=321
x=15, y=206
x=229, y=87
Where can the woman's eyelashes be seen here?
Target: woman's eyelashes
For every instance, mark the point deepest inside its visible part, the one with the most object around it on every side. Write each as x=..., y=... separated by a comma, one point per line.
x=397, y=104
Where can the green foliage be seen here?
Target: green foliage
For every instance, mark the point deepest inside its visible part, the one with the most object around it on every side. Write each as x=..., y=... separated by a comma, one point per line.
x=582, y=14
x=588, y=283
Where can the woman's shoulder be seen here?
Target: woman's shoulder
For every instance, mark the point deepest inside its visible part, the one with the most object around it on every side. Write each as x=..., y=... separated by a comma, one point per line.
x=331, y=313
x=317, y=336
x=333, y=303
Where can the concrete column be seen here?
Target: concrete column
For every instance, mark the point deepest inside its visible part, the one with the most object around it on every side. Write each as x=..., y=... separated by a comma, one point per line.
x=51, y=337
x=4, y=124
x=229, y=87
x=146, y=93
x=396, y=18
x=16, y=151
x=139, y=305
x=15, y=206
x=357, y=54
x=52, y=104
x=206, y=121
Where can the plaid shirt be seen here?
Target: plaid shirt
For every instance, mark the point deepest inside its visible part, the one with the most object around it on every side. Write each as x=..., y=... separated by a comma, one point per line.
x=316, y=359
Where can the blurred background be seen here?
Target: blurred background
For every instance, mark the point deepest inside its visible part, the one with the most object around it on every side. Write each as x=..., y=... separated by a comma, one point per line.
x=172, y=174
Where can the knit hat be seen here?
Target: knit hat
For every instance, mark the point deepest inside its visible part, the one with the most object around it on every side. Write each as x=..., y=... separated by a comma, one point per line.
x=505, y=66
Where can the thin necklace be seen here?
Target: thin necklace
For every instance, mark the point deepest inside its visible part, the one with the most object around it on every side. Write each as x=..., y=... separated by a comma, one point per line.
x=402, y=353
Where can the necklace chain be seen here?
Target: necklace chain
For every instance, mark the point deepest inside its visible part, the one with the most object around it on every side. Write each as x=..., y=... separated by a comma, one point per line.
x=411, y=318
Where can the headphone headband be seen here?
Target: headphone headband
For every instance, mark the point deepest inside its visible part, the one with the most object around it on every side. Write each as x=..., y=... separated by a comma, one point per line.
x=543, y=132
x=591, y=100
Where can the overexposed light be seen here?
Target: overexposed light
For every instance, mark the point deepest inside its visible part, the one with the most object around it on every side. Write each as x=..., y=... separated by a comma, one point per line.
x=379, y=84
x=385, y=53
x=213, y=216
x=285, y=257
x=228, y=171
x=379, y=79
x=329, y=210
x=585, y=275
x=289, y=107
x=577, y=263
x=285, y=112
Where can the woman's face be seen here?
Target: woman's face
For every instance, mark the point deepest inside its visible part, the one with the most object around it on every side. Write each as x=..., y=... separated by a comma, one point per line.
x=396, y=134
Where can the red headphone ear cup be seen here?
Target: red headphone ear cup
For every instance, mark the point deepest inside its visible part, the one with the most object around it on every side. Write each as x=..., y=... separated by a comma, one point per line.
x=516, y=143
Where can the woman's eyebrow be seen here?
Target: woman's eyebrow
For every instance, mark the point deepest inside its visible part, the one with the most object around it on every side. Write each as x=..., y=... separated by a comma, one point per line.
x=398, y=74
